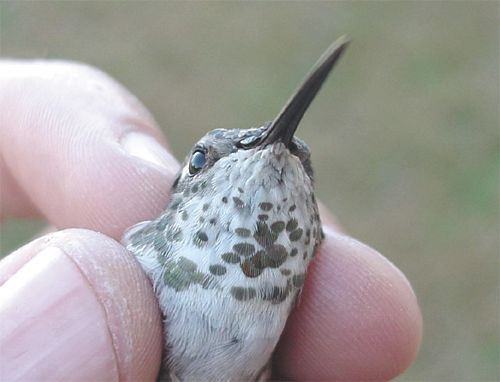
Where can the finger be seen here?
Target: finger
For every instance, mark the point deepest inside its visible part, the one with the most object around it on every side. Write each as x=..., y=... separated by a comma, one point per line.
x=357, y=318
x=13, y=200
x=80, y=149
x=76, y=305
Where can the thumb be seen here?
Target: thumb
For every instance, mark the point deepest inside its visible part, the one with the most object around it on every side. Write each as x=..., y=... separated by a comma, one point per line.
x=76, y=305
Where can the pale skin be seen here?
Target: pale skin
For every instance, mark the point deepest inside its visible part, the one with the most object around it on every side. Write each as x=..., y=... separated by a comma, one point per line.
x=79, y=150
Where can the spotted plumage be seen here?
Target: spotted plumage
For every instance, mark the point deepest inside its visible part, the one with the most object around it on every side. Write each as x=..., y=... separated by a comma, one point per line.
x=228, y=256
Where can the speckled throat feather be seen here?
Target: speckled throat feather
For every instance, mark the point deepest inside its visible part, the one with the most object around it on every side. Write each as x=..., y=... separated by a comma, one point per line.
x=228, y=258
x=229, y=255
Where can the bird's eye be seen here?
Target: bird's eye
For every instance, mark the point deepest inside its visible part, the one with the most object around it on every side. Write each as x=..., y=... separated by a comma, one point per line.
x=197, y=161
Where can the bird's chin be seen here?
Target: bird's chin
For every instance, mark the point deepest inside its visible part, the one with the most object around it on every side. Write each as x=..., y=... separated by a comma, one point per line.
x=275, y=155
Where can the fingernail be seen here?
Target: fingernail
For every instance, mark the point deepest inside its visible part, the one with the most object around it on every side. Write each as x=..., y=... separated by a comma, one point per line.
x=148, y=149
x=51, y=316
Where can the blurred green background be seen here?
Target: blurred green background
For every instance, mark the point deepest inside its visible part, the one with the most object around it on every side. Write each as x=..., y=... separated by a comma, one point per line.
x=404, y=134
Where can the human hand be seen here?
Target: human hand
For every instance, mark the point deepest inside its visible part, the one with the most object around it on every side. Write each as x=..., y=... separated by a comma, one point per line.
x=79, y=150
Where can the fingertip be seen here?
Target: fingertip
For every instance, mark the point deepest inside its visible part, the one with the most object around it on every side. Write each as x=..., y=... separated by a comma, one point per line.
x=80, y=307
x=358, y=318
x=124, y=291
x=148, y=149
x=93, y=156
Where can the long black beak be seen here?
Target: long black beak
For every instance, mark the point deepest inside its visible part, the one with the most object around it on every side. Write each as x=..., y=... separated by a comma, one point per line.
x=284, y=125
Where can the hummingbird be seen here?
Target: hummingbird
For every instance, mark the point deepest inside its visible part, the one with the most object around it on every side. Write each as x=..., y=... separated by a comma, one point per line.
x=228, y=256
